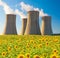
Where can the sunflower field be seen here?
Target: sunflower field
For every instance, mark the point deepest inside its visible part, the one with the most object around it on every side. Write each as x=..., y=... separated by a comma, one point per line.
x=29, y=46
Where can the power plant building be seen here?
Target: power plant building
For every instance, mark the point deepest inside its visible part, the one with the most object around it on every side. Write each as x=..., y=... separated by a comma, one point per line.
x=46, y=25
x=10, y=26
x=33, y=23
x=24, y=23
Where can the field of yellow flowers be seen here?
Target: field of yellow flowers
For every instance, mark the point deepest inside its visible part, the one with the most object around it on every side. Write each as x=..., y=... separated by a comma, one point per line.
x=29, y=46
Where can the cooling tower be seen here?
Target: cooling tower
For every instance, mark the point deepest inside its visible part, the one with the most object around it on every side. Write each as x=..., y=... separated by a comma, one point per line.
x=10, y=27
x=24, y=23
x=32, y=23
x=46, y=25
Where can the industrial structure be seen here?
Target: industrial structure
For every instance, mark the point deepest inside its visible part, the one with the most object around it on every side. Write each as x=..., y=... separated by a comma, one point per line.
x=24, y=23
x=46, y=25
x=10, y=26
x=30, y=25
x=33, y=23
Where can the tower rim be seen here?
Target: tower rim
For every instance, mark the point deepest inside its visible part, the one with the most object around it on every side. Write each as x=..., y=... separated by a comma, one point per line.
x=33, y=11
x=11, y=14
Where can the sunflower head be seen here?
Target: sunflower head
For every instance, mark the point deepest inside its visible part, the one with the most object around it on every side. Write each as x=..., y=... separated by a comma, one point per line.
x=27, y=55
x=40, y=46
x=55, y=40
x=54, y=56
x=36, y=56
x=3, y=54
x=55, y=51
x=9, y=48
x=47, y=43
x=15, y=46
x=20, y=56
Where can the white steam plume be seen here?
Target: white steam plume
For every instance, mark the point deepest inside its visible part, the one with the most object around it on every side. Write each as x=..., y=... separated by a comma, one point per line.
x=27, y=7
x=6, y=8
x=20, y=13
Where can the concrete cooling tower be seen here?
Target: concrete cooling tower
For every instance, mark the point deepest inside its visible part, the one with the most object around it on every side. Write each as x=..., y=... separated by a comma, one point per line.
x=10, y=27
x=24, y=23
x=46, y=25
x=32, y=23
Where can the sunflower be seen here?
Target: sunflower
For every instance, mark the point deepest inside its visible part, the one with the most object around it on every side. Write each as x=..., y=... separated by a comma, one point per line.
x=28, y=45
x=44, y=54
x=9, y=48
x=27, y=55
x=47, y=43
x=55, y=40
x=20, y=56
x=43, y=39
x=55, y=51
x=31, y=41
x=36, y=56
x=54, y=56
x=40, y=46
x=15, y=46
x=3, y=54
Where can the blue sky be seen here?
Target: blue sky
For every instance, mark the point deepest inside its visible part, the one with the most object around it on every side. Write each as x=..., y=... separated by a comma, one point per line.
x=50, y=7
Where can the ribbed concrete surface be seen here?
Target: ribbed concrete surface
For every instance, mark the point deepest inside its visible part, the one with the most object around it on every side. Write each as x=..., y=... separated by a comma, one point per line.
x=46, y=25
x=10, y=26
x=24, y=23
x=32, y=23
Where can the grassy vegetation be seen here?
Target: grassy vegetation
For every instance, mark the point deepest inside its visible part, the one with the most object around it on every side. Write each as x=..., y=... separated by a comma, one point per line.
x=33, y=46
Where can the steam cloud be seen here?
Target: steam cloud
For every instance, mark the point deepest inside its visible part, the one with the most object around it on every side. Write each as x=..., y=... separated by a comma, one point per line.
x=6, y=8
x=27, y=7
x=24, y=7
x=20, y=13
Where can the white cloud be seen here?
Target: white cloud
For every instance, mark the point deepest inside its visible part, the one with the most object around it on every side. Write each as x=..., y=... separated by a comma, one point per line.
x=24, y=7
x=0, y=0
x=36, y=9
x=42, y=13
x=6, y=8
x=20, y=13
x=27, y=7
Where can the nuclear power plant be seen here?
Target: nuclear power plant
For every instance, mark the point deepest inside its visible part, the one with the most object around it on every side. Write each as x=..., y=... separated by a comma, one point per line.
x=10, y=26
x=32, y=23
x=24, y=23
x=46, y=25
